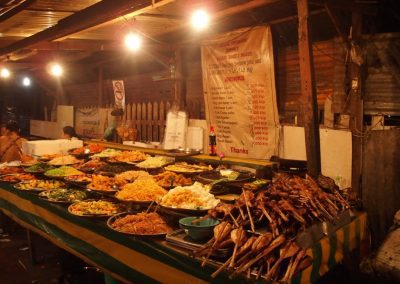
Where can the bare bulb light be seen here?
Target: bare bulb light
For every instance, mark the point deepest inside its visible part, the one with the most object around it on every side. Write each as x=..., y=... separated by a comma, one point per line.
x=5, y=73
x=26, y=82
x=200, y=19
x=133, y=41
x=56, y=70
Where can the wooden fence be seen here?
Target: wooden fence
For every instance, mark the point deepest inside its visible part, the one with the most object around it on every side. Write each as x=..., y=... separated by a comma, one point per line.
x=149, y=119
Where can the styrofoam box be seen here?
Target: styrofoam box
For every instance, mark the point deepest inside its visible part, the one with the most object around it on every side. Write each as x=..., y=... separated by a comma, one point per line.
x=41, y=147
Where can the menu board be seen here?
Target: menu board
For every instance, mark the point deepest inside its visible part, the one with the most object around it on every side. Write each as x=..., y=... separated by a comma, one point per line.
x=239, y=92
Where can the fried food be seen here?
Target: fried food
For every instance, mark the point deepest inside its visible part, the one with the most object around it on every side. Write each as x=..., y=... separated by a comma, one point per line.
x=92, y=164
x=129, y=157
x=107, y=153
x=130, y=176
x=102, y=183
x=64, y=160
x=39, y=168
x=170, y=179
x=63, y=171
x=64, y=195
x=194, y=197
x=97, y=207
x=10, y=170
x=16, y=177
x=187, y=168
x=141, y=190
x=90, y=149
x=155, y=162
x=142, y=224
x=40, y=184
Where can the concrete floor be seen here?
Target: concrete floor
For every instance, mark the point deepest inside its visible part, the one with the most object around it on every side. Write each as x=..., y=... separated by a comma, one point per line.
x=15, y=262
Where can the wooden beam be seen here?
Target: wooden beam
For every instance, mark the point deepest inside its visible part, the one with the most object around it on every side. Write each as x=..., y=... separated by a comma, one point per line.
x=97, y=14
x=16, y=9
x=52, y=10
x=34, y=64
x=356, y=109
x=336, y=23
x=350, y=5
x=162, y=16
x=151, y=5
x=308, y=101
x=295, y=17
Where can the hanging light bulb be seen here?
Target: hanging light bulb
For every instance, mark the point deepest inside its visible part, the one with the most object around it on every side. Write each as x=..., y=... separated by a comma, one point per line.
x=5, y=73
x=56, y=70
x=200, y=19
x=26, y=81
x=133, y=41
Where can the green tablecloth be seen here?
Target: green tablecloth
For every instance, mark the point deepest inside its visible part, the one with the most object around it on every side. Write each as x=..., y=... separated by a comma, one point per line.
x=135, y=260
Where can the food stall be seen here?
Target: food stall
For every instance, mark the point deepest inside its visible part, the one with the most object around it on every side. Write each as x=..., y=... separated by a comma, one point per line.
x=216, y=101
x=95, y=215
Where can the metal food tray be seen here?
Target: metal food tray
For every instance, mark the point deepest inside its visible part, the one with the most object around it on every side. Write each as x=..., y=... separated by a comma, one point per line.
x=180, y=239
x=182, y=152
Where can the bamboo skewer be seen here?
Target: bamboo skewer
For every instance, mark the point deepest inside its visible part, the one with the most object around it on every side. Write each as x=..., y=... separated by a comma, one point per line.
x=233, y=219
x=248, y=211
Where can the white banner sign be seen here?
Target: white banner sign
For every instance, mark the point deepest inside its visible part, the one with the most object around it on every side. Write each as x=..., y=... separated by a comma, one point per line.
x=239, y=91
x=119, y=93
x=91, y=122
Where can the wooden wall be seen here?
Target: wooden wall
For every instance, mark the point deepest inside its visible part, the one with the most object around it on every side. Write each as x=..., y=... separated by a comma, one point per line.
x=381, y=180
x=329, y=74
x=139, y=88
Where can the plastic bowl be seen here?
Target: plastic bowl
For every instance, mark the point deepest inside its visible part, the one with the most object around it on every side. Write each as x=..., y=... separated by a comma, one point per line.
x=198, y=230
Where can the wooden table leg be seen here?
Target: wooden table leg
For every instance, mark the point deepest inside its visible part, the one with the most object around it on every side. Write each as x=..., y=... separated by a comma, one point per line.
x=32, y=248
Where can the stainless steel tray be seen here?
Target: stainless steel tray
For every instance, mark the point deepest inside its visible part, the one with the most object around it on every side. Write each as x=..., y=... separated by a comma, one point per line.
x=180, y=239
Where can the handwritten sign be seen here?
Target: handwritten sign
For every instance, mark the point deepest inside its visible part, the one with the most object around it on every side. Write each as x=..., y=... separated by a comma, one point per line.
x=239, y=91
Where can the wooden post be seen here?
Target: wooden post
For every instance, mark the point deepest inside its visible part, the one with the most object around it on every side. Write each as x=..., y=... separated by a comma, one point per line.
x=180, y=79
x=356, y=109
x=308, y=101
x=100, y=86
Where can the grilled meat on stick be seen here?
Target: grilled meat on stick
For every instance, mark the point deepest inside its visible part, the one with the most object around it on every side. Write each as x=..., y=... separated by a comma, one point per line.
x=219, y=237
x=276, y=208
x=290, y=249
x=286, y=206
x=260, y=243
x=247, y=196
x=271, y=221
x=221, y=232
x=273, y=245
x=293, y=266
x=222, y=211
x=242, y=250
x=239, y=237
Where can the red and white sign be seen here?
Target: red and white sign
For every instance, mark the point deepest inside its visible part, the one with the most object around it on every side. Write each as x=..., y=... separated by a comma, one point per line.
x=119, y=93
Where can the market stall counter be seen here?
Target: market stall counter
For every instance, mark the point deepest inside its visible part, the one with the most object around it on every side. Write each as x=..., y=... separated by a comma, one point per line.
x=262, y=167
x=133, y=259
